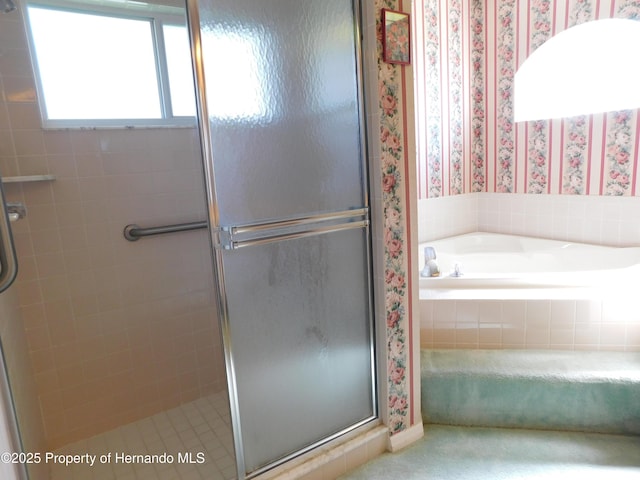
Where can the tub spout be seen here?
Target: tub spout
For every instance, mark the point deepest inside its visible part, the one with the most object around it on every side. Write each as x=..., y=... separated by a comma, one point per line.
x=430, y=265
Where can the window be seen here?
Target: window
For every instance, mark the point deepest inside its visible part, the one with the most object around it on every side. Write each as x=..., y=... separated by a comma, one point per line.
x=112, y=67
x=176, y=42
x=589, y=68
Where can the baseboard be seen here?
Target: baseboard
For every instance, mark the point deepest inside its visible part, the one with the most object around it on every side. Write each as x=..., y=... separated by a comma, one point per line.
x=406, y=437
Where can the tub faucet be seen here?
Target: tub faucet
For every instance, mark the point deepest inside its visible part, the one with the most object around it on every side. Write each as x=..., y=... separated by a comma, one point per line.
x=430, y=265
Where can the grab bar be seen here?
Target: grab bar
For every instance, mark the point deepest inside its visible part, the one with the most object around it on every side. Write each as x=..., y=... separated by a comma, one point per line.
x=133, y=232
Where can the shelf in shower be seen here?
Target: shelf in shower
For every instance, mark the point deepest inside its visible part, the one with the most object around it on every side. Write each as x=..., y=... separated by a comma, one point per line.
x=28, y=178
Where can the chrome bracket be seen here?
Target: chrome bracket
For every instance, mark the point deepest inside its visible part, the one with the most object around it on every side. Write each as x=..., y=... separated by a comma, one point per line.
x=16, y=210
x=223, y=238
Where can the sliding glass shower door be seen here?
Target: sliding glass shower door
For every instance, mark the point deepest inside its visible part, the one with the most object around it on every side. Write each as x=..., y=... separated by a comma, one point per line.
x=284, y=139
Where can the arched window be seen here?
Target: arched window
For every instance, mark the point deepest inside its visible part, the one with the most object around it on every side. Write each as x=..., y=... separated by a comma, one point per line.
x=589, y=68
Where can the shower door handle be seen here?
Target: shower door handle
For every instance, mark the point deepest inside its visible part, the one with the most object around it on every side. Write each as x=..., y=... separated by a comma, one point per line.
x=260, y=233
x=8, y=260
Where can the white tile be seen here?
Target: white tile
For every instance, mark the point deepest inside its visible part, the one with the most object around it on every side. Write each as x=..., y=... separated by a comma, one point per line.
x=490, y=311
x=538, y=313
x=169, y=432
x=444, y=311
x=467, y=313
x=563, y=313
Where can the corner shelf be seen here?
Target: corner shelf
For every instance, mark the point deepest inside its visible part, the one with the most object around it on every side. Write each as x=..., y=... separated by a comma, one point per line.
x=29, y=178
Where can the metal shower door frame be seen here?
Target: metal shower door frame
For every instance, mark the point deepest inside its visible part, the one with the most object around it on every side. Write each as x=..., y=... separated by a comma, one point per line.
x=8, y=259
x=221, y=239
x=8, y=274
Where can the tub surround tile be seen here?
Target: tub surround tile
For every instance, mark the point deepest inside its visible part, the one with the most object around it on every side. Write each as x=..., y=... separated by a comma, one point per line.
x=563, y=313
x=537, y=338
x=444, y=334
x=557, y=324
x=513, y=336
x=588, y=311
x=466, y=313
x=595, y=323
x=446, y=216
x=514, y=313
x=587, y=334
x=584, y=218
x=445, y=345
x=538, y=313
x=613, y=336
x=490, y=334
x=633, y=337
x=490, y=311
x=467, y=334
x=445, y=312
x=620, y=310
x=562, y=338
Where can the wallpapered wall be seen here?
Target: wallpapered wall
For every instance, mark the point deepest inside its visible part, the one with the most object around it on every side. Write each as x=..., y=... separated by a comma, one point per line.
x=469, y=142
x=394, y=84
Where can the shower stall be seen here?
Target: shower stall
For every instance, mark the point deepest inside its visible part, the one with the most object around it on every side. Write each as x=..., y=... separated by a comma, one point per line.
x=192, y=300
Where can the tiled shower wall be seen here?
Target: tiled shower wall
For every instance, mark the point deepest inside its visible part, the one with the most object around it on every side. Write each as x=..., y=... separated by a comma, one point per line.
x=597, y=324
x=116, y=330
x=23, y=387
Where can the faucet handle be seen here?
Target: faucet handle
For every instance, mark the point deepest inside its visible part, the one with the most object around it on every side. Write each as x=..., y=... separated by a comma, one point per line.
x=429, y=253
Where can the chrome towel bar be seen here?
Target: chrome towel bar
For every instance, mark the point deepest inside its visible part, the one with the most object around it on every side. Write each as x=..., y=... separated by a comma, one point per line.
x=133, y=232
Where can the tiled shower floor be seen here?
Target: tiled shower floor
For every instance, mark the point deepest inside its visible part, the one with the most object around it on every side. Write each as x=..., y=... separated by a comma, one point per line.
x=199, y=427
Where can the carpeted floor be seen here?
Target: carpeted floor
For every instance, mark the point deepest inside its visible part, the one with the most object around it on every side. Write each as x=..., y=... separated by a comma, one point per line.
x=475, y=453
x=547, y=390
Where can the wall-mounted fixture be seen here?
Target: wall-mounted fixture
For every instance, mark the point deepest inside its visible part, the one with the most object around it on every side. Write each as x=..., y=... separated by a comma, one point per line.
x=7, y=6
x=16, y=210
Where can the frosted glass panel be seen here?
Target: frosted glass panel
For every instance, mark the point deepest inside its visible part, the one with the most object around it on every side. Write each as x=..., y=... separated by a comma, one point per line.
x=301, y=341
x=282, y=95
x=283, y=106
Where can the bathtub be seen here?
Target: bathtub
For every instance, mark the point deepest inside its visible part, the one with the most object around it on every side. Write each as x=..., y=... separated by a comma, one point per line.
x=509, y=266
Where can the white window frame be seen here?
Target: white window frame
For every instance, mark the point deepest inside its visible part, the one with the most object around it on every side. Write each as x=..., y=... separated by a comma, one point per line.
x=158, y=16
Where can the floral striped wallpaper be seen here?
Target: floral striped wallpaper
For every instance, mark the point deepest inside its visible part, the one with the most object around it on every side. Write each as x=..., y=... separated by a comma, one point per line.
x=471, y=51
x=394, y=159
